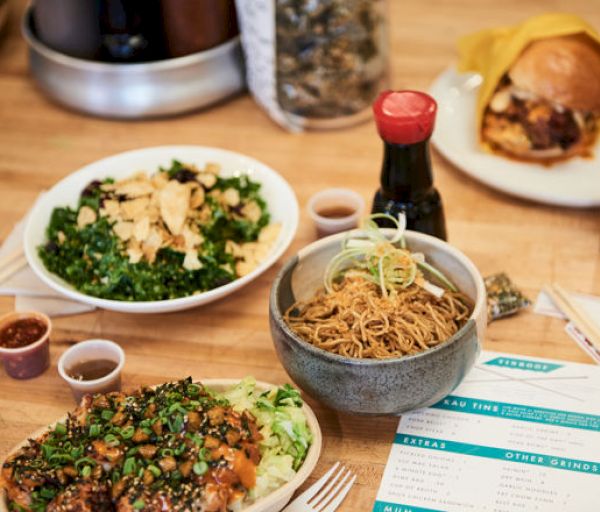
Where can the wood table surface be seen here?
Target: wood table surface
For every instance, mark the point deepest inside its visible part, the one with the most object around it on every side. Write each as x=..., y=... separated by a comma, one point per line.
x=41, y=143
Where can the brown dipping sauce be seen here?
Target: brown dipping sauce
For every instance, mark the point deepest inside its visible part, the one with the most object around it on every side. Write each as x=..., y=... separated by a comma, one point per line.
x=91, y=370
x=22, y=333
x=335, y=212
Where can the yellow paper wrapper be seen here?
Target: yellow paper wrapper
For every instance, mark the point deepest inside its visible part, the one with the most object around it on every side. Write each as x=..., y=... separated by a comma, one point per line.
x=492, y=52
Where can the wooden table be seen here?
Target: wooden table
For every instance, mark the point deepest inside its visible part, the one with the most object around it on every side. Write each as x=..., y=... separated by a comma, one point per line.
x=41, y=143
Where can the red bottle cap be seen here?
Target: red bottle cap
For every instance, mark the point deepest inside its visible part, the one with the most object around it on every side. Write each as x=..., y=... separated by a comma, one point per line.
x=404, y=117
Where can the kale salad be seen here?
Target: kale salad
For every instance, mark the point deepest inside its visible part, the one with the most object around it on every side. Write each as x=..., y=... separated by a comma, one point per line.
x=178, y=232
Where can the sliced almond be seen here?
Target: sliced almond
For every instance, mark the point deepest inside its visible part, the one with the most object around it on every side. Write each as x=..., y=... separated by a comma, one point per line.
x=197, y=199
x=252, y=211
x=269, y=233
x=85, y=216
x=243, y=268
x=191, y=238
x=155, y=238
x=212, y=168
x=134, y=188
x=174, y=204
x=61, y=237
x=233, y=248
x=110, y=208
x=207, y=179
x=141, y=229
x=135, y=254
x=134, y=209
x=124, y=230
x=160, y=180
x=231, y=197
x=191, y=261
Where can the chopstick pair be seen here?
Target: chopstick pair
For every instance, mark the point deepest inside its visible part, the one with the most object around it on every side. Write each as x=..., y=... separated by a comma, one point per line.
x=12, y=263
x=575, y=314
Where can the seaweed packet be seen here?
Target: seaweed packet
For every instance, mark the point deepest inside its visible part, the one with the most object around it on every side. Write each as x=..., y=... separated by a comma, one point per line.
x=503, y=297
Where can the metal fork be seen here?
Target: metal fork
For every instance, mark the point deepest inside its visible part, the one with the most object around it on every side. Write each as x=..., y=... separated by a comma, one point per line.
x=324, y=498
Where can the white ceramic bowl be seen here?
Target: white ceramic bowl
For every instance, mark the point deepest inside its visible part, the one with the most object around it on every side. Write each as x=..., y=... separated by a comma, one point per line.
x=275, y=501
x=279, y=196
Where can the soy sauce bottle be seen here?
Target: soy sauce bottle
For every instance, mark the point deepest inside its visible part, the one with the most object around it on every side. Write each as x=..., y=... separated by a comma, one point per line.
x=405, y=121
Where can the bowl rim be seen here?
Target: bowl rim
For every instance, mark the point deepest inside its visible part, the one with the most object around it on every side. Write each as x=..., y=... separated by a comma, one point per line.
x=290, y=265
x=279, y=494
x=289, y=229
x=117, y=67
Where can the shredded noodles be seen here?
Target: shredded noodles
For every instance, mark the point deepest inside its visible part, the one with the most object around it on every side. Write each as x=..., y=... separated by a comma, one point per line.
x=355, y=320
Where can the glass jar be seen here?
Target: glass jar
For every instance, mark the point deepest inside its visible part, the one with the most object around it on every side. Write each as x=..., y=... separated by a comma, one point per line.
x=331, y=60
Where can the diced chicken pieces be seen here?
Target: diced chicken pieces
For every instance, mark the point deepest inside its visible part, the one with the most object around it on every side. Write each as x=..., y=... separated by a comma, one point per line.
x=85, y=217
x=82, y=497
x=174, y=204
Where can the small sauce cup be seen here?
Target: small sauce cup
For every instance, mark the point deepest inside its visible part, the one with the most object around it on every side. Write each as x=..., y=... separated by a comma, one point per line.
x=32, y=359
x=335, y=209
x=85, y=352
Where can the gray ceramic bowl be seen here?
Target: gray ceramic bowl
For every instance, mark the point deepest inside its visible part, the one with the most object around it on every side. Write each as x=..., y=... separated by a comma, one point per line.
x=368, y=386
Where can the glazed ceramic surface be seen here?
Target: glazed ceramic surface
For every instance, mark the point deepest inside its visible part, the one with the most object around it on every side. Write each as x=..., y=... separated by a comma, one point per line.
x=279, y=196
x=275, y=501
x=368, y=386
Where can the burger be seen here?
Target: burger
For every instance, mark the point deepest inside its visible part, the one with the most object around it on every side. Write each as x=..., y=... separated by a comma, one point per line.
x=547, y=106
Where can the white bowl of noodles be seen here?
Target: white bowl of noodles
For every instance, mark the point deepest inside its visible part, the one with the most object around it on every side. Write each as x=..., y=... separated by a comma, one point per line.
x=369, y=385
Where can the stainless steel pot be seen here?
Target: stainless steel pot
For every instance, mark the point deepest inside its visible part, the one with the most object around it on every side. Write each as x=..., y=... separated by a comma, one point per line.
x=132, y=91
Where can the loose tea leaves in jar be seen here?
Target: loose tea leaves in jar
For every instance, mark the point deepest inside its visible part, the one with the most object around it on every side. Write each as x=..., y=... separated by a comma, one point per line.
x=331, y=56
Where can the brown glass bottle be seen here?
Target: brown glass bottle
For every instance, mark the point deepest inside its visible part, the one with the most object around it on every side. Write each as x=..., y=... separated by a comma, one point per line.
x=405, y=121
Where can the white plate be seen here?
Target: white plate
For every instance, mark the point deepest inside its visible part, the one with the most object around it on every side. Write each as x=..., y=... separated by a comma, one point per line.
x=279, y=196
x=273, y=502
x=575, y=182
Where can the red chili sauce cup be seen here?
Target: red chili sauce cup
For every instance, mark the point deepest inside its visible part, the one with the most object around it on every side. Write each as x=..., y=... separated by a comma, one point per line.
x=25, y=343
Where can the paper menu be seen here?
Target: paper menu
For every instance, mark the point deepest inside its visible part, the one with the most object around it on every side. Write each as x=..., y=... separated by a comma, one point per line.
x=519, y=434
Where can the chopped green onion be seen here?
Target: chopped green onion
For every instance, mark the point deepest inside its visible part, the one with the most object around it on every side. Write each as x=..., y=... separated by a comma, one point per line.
x=111, y=440
x=139, y=504
x=47, y=493
x=127, y=432
x=200, y=467
x=95, y=430
x=86, y=471
x=129, y=466
x=107, y=415
x=60, y=429
x=154, y=470
x=84, y=460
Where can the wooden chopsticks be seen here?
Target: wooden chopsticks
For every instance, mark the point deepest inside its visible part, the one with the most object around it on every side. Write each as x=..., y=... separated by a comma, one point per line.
x=574, y=313
x=12, y=263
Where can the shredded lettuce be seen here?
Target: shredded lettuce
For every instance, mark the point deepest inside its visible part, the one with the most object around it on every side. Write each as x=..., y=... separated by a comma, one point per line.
x=286, y=436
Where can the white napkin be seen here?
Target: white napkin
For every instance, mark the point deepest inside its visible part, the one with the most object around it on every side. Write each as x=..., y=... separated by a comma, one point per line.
x=589, y=303
x=30, y=293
